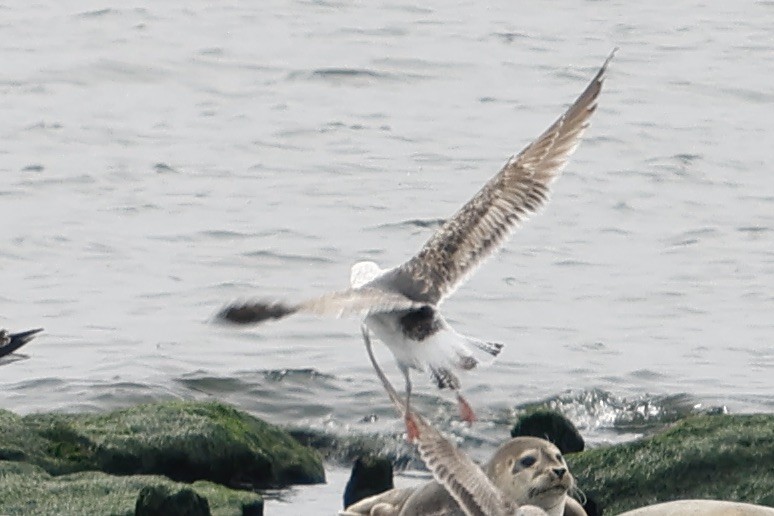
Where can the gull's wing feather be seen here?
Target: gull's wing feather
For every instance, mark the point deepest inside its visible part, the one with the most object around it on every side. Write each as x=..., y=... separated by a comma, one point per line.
x=353, y=301
x=482, y=225
x=454, y=470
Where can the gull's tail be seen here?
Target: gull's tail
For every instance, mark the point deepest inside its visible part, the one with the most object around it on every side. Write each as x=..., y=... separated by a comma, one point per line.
x=448, y=352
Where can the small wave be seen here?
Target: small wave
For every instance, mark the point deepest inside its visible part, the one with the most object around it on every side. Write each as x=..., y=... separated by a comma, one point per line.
x=753, y=229
x=679, y=164
x=198, y=381
x=279, y=375
x=82, y=179
x=341, y=75
x=99, y=13
x=412, y=223
x=693, y=236
x=510, y=37
x=573, y=263
x=336, y=73
x=344, y=449
x=38, y=383
x=416, y=63
x=346, y=72
x=246, y=380
x=223, y=234
x=749, y=95
x=163, y=168
x=296, y=258
x=597, y=409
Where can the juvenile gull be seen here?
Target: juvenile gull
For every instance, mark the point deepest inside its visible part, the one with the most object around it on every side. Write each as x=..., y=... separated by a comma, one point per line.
x=401, y=304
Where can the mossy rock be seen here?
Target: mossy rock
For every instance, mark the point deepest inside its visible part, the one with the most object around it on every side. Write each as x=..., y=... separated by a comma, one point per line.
x=184, y=441
x=714, y=457
x=28, y=489
x=371, y=475
x=156, y=500
x=551, y=426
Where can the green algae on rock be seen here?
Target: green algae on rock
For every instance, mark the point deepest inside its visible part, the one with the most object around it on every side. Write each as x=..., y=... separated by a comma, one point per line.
x=721, y=457
x=160, y=499
x=184, y=441
x=29, y=489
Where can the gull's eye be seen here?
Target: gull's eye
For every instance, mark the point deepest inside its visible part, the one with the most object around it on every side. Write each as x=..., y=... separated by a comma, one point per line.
x=527, y=461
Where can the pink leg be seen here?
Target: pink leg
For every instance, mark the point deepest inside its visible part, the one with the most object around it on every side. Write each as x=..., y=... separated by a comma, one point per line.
x=466, y=412
x=412, y=430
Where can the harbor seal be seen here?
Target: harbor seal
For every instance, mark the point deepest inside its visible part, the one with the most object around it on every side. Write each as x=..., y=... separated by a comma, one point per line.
x=527, y=470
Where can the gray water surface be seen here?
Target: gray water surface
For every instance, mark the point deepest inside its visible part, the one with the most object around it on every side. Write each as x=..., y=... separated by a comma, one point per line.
x=160, y=161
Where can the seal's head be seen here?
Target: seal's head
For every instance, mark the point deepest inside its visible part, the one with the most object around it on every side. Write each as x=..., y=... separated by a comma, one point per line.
x=531, y=471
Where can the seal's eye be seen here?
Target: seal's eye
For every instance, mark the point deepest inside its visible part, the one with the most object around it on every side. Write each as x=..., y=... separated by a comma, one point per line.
x=559, y=457
x=527, y=461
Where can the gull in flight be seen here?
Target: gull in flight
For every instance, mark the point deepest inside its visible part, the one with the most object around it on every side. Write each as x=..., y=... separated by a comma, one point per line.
x=401, y=305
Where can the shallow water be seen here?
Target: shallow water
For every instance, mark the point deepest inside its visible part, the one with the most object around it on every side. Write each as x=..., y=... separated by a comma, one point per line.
x=160, y=161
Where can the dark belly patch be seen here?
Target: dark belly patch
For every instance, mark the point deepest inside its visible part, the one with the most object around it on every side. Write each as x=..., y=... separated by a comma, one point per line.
x=420, y=324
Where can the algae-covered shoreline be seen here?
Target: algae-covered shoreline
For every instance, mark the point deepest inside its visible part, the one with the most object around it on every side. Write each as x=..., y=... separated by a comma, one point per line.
x=210, y=458
x=98, y=463
x=720, y=457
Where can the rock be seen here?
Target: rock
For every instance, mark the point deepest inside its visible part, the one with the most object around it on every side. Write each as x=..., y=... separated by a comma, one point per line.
x=184, y=441
x=159, y=499
x=28, y=489
x=371, y=475
x=551, y=426
x=590, y=505
x=726, y=457
x=219, y=496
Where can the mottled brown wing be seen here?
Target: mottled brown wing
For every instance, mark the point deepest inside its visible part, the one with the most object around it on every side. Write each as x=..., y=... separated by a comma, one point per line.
x=460, y=476
x=454, y=470
x=481, y=226
x=353, y=301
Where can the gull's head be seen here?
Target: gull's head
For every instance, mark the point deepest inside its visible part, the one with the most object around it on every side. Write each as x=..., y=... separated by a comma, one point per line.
x=362, y=273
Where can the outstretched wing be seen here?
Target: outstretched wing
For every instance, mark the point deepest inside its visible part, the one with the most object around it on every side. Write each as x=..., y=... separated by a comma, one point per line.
x=455, y=471
x=482, y=225
x=353, y=301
